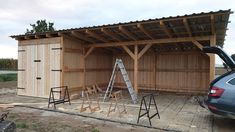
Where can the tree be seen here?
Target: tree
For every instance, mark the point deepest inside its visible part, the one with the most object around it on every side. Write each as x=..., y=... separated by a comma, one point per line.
x=40, y=26
x=233, y=56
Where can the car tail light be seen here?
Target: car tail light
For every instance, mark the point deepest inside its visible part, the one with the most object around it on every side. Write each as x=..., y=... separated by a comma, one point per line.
x=216, y=92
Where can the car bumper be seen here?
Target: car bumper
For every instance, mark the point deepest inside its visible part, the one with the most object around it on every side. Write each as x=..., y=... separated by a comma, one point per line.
x=215, y=110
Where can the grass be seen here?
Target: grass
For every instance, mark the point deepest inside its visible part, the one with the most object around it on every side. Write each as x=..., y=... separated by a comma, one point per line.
x=94, y=130
x=8, y=77
x=21, y=125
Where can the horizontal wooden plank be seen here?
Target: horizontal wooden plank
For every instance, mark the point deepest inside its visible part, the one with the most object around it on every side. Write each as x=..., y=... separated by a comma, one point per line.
x=43, y=41
x=155, y=41
x=182, y=70
x=71, y=50
x=103, y=69
x=73, y=70
x=164, y=88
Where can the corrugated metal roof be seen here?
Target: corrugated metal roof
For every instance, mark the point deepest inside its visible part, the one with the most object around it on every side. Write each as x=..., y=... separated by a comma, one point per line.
x=198, y=22
x=132, y=22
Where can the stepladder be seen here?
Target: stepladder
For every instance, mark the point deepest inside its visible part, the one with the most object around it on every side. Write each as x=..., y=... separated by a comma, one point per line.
x=119, y=66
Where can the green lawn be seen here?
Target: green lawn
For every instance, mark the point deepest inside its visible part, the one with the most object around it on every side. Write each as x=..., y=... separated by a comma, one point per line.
x=8, y=77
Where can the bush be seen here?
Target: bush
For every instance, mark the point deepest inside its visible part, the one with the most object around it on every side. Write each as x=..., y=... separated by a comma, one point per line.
x=8, y=77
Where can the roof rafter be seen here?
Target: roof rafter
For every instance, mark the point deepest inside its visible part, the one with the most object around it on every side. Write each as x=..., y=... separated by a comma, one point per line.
x=141, y=27
x=185, y=21
x=82, y=37
x=48, y=35
x=70, y=37
x=165, y=29
x=126, y=32
x=28, y=37
x=38, y=36
x=109, y=33
x=93, y=34
x=212, y=24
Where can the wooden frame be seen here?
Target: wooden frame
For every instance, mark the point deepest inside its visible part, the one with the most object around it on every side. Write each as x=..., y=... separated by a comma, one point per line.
x=133, y=42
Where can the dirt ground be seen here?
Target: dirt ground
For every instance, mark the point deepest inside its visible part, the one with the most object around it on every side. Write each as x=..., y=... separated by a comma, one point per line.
x=177, y=112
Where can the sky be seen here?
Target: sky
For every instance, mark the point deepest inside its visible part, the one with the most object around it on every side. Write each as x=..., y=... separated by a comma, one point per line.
x=17, y=15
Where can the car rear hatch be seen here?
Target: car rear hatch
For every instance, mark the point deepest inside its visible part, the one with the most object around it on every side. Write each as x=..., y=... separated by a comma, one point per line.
x=226, y=58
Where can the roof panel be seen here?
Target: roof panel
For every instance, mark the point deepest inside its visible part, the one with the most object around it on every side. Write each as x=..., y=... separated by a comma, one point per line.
x=199, y=24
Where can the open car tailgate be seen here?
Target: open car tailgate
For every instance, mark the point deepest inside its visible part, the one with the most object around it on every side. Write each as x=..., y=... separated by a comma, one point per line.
x=223, y=55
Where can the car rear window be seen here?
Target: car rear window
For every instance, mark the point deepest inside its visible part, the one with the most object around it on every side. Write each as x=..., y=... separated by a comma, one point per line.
x=232, y=81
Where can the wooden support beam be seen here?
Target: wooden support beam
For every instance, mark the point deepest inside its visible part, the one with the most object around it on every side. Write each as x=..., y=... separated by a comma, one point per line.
x=82, y=37
x=126, y=32
x=88, y=52
x=111, y=34
x=212, y=59
x=155, y=41
x=141, y=27
x=165, y=29
x=144, y=50
x=212, y=24
x=185, y=21
x=93, y=34
x=128, y=51
x=200, y=46
x=136, y=69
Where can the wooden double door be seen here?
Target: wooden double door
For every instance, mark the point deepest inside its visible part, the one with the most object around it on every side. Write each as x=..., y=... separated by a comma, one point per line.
x=39, y=69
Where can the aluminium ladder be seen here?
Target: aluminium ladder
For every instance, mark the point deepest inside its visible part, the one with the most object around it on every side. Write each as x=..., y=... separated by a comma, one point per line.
x=119, y=64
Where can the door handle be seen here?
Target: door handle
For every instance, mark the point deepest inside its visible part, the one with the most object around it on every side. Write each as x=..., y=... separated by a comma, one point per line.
x=38, y=78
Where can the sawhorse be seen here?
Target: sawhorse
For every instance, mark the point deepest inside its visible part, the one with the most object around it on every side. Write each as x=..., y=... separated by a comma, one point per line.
x=61, y=99
x=117, y=96
x=148, y=107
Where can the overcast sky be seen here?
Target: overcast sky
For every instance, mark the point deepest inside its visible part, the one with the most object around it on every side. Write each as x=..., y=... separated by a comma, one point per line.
x=16, y=15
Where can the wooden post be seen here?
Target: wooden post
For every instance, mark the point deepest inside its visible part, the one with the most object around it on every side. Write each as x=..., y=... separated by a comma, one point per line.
x=136, y=69
x=212, y=58
x=84, y=69
x=155, y=70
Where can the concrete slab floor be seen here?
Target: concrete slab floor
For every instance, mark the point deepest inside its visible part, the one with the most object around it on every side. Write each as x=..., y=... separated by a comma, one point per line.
x=177, y=112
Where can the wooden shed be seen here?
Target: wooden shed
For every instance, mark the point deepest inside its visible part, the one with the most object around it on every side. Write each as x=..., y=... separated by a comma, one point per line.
x=163, y=54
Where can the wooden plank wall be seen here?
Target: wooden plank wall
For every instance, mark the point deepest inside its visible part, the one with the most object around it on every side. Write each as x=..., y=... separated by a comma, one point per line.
x=72, y=65
x=98, y=68
x=185, y=72
x=175, y=71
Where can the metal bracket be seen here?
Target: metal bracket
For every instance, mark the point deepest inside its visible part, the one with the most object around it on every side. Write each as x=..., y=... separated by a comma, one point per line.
x=56, y=48
x=37, y=60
